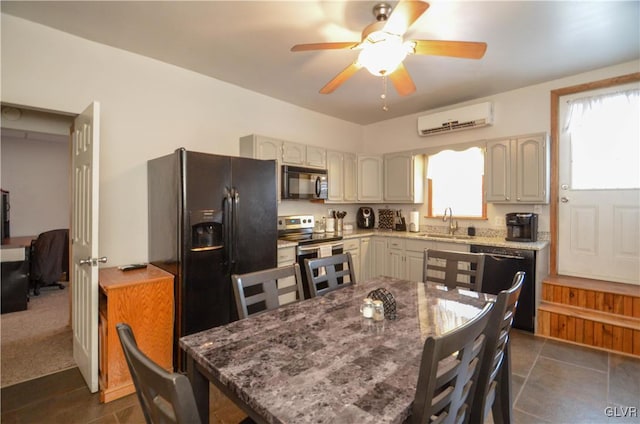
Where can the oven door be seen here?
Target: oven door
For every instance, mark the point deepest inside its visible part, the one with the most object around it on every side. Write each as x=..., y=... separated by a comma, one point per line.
x=312, y=252
x=303, y=183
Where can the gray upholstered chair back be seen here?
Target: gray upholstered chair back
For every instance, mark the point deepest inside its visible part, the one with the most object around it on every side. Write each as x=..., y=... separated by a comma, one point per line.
x=448, y=373
x=494, y=380
x=330, y=273
x=267, y=289
x=454, y=269
x=165, y=397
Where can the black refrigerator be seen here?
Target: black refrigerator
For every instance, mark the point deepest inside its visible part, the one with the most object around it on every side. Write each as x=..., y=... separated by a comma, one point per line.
x=210, y=216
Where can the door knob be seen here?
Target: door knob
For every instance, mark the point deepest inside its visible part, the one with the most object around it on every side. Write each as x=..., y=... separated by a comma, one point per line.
x=92, y=261
x=564, y=199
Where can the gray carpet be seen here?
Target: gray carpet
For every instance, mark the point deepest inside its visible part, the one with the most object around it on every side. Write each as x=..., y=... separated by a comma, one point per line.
x=38, y=341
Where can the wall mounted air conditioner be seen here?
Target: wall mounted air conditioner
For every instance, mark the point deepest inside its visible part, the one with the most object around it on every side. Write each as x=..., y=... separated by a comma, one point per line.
x=462, y=118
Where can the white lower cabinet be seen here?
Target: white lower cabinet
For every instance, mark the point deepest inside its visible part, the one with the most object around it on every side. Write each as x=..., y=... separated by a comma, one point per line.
x=378, y=256
x=353, y=246
x=365, y=258
x=287, y=256
x=405, y=258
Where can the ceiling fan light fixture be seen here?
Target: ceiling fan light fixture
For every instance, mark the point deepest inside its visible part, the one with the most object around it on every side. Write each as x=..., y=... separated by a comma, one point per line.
x=383, y=54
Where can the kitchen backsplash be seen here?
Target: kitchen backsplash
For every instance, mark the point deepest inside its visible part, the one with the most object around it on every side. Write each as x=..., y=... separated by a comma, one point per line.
x=494, y=226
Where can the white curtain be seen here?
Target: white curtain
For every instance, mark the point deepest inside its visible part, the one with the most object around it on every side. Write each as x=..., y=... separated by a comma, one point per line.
x=605, y=140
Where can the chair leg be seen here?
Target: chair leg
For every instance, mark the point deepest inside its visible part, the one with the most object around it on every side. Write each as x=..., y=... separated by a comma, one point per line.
x=503, y=403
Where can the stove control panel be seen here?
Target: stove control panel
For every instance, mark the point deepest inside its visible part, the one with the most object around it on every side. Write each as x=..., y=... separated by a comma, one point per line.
x=295, y=222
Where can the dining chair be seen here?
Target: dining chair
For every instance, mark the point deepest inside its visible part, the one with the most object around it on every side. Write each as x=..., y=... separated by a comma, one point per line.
x=330, y=273
x=493, y=391
x=448, y=372
x=165, y=397
x=454, y=269
x=261, y=291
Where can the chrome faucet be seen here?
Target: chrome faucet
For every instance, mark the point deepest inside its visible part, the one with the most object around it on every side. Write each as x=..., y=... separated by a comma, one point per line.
x=453, y=226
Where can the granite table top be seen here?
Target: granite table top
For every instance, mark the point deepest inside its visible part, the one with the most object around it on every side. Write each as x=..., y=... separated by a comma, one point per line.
x=320, y=361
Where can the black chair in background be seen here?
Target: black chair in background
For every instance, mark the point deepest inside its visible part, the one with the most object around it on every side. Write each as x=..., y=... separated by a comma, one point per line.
x=330, y=273
x=448, y=373
x=49, y=259
x=164, y=397
x=493, y=391
x=258, y=291
x=454, y=269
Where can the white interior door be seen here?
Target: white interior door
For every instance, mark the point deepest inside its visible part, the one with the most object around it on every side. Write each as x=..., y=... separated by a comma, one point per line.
x=599, y=225
x=84, y=242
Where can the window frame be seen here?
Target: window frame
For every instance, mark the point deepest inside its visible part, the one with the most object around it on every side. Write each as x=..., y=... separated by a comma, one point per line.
x=458, y=147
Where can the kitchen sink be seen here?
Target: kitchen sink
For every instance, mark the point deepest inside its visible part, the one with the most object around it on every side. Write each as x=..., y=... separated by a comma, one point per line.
x=447, y=236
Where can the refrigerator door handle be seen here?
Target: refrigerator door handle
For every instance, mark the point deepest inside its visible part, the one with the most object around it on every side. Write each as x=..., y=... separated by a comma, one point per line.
x=234, y=228
x=227, y=222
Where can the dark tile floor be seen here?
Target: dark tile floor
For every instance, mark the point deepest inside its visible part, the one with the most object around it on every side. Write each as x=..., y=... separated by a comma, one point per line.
x=553, y=382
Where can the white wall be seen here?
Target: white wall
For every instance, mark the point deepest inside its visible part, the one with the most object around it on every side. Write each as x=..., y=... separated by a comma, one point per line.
x=36, y=173
x=517, y=112
x=149, y=109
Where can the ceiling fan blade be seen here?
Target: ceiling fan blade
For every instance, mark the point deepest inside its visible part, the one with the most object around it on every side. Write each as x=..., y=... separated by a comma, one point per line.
x=403, y=15
x=346, y=73
x=323, y=46
x=402, y=81
x=463, y=49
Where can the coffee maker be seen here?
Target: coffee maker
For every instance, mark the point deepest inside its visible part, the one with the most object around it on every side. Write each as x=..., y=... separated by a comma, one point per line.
x=365, y=218
x=522, y=226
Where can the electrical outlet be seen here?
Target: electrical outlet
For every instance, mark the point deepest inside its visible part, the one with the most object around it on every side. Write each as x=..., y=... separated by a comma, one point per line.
x=329, y=212
x=499, y=221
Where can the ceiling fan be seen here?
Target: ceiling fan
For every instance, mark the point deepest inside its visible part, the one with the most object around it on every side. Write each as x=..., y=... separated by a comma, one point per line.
x=383, y=48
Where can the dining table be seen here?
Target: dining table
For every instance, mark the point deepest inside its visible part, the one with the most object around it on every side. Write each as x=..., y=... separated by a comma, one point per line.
x=321, y=361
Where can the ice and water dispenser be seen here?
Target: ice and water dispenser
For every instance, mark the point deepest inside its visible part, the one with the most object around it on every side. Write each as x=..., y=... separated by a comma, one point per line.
x=206, y=230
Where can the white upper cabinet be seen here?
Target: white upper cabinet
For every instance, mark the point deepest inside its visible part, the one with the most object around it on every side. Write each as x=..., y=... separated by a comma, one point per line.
x=302, y=155
x=350, y=166
x=259, y=147
x=335, y=174
x=294, y=153
x=316, y=157
x=516, y=170
x=341, y=172
x=403, y=178
x=370, y=178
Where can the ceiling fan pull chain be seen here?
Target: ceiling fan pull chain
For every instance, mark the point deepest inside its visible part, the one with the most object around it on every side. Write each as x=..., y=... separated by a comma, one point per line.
x=383, y=96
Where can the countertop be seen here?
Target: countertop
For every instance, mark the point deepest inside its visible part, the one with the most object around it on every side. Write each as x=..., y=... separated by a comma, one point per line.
x=484, y=241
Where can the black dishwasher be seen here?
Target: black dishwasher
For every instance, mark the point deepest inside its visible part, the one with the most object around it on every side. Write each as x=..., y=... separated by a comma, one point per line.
x=501, y=264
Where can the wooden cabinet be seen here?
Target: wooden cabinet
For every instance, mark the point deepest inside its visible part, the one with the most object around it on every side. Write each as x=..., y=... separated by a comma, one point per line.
x=404, y=178
x=342, y=171
x=143, y=299
x=287, y=256
x=353, y=246
x=370, y=178
x=516, y=170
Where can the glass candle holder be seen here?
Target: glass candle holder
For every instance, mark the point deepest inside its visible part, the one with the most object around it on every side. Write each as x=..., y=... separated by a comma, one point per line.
x=366, y=309
x=378, y=310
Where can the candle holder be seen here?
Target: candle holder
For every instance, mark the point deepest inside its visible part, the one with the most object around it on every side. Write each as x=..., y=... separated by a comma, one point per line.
x=388, y=301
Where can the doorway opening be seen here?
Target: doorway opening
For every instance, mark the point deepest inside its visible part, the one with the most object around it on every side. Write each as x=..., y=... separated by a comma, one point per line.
x=35, y=171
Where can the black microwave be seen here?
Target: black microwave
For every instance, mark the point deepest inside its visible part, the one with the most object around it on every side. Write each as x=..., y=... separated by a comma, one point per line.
x=303, y=183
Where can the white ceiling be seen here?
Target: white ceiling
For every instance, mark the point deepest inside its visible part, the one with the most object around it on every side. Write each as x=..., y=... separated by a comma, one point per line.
x=247, y=44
